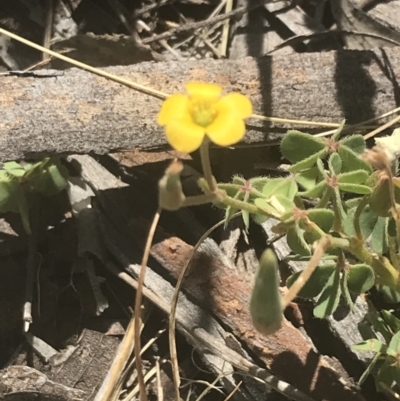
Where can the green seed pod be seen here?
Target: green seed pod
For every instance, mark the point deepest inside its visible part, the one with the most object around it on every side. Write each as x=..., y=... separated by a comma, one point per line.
x=265, y=304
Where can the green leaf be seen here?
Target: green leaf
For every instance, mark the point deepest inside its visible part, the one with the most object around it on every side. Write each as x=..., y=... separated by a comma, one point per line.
x=15, y=169
x=368, y=220
x=351, y=161
x=323, y=218
x=265, y=303
x=336, y=135
x=329, y=299
x=258, y=182
x=295, y=240
x=259, y=218
x=9, y=193
x=389, y=295
x=355, y=188
x=286, y=187
x=360, y=278
x=353, y=177
x=230, y=211
x=379, y=325
x=369, y=369
x=339, y=204
x=238, y=180
x=297, y=146
x=378, y=236
x=335, y=164
x=380, y=198
x=246, y=219
x=388, y=373
x=345, y=291
x=316, y=191
x=371, y=345
x=315, y=283
x=266, y=207
x=50, y=180
x=307, y=178
x=392, y=321
x=354, y=142
x=308, y=162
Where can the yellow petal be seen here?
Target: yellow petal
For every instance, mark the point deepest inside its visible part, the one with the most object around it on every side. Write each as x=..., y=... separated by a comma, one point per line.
x=184, y=136
x=175, y=107
x=235, y=103
x=203, y=92
x=226, y=130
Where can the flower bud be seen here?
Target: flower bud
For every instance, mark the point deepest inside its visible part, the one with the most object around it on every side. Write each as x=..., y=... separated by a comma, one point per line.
x=170, y=194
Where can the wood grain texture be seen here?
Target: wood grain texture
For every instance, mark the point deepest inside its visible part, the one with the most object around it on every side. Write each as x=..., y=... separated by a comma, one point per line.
x=72, y=111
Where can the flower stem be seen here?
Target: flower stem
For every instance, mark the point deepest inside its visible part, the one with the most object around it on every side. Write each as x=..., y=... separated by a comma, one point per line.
x=385, y=272
x=206, y=165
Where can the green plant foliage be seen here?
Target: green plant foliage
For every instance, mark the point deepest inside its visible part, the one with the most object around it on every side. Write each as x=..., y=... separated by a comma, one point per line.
x=323, y=218
x=316, y=283
x=296, y=241
x=351, y=160
x=19, y=181
x=360, y=278
x=334, y=202
x=329, y=299
x=297, y=146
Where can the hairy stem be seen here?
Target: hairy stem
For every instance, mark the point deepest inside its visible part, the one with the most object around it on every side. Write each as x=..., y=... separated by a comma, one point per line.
x=206, y=165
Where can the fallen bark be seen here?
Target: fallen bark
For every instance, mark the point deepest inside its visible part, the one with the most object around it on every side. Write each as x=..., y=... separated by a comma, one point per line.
x=72, y=111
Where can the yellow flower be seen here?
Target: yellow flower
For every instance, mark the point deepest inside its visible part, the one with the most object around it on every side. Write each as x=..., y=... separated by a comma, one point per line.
x=204, y=112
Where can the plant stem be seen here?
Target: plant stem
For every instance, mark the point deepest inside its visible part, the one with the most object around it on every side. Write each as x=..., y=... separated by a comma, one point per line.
x=206, y=165
x=240, y=205
x=385, y=273
x=31, y=265
x=199, y=200
x=325, y=198
x=323, y=244
x=138, y=303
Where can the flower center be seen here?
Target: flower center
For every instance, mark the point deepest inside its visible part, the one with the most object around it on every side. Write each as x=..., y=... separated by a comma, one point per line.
x=203, y=113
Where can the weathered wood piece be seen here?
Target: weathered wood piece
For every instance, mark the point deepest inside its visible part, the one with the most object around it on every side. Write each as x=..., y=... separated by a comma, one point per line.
x=72, y=111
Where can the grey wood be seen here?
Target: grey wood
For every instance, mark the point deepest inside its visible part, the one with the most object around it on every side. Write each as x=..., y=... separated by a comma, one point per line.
x=72, y=111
